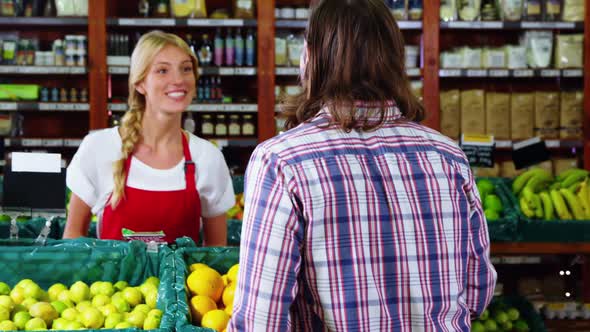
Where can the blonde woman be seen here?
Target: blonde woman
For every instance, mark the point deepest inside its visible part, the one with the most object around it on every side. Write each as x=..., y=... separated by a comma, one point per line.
x=148, y=175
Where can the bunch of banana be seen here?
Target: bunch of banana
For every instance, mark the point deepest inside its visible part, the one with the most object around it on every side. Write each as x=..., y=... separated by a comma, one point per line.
x=566, y=197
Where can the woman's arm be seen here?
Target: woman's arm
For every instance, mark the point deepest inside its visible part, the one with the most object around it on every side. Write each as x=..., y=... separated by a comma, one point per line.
x=215, y=231
x=78, y=218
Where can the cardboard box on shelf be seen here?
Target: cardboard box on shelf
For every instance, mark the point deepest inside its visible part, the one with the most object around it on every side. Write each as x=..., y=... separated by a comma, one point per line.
x=487, y=171
x=546, y=114
x=560, y=165
x=571, y=114
x=521, y=115
x=450, y=113
x=507, y=169
x=498, y=115
x=473, y=112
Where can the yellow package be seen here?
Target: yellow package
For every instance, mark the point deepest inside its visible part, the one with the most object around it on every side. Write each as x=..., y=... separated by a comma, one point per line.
x=573, y=10
x=185, y=8
x=569, y=52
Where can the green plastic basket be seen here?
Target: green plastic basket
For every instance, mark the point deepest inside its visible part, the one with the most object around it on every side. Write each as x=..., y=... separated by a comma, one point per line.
x=90, y=260
x=505, y=229
x=219, y=258
x=238, y=182
x=538, y=230
x=31, y=228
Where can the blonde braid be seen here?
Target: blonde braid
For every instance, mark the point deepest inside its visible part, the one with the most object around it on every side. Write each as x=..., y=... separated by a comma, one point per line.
x=130, y=131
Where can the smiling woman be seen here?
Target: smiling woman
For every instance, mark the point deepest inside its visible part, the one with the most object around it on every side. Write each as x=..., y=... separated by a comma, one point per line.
x=148, y=175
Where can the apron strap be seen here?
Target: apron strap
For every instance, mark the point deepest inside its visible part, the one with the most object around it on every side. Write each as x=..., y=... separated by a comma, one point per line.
x=189, y=165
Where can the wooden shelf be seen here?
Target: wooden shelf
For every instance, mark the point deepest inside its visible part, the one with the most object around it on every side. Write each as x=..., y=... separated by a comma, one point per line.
x=512, y=73
x=179, y=22
x=41, y=106
x=43, y=70
x=499, y=25
x=294, y=71
x=539, y=248
x=302, y=24
x=229, y=108
x=220, y=71
x=550, y=143
x=42, y=142
x=44, y=21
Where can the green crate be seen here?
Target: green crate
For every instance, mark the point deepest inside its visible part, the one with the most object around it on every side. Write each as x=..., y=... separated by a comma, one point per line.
x=90, y=260
x=238, y=183
x=505, y=229
x=31, y=228
x=539, y=230
x=526, y=309
x=219, y=258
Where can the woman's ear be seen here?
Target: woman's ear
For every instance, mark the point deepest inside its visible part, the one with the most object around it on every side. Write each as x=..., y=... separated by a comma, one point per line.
x=139, y=88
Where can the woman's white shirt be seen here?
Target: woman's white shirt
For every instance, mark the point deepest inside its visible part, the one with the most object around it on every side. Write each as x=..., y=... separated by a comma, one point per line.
x=90, y=174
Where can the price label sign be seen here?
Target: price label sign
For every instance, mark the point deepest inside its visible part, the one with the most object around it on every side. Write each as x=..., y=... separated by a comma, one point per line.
x=479, y=149
x=529, y=152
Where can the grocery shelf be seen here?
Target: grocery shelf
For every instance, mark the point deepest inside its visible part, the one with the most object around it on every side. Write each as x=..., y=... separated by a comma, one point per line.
x=44, y=21
x=42, y=70
x=517, y=73
x=41, y=106
x=499, y=25
x=302, y=24
x=232, y=108
x=294, y=71
x=43, y=142
x=221, y=71
x=180, y=22
x=539, y=248
x=550, y=143
x=570, y=325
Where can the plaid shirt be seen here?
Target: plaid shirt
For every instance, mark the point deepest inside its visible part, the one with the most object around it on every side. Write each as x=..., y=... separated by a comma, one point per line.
x=361, y=231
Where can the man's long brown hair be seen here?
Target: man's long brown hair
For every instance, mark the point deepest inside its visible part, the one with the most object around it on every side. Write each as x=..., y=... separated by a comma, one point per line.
x=356, y=53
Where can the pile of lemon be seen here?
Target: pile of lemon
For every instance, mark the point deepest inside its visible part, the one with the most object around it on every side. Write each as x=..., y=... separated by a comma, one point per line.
x=212, y=295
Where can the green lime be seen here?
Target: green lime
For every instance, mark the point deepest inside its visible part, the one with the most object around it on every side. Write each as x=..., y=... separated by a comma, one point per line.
x=4, y=288
x=477, y=327
x=501, y=317
x=490, y=325
x=485, y=187
x=491, y=215
x=4, y=218
x=484, y=315
x=521, y=326
x=493, y=202
x=513, y=314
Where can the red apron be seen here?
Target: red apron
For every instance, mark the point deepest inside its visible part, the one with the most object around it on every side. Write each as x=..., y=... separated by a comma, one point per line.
x=177, y=213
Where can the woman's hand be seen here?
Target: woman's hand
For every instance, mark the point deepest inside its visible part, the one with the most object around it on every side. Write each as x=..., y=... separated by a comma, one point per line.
x=78, y=218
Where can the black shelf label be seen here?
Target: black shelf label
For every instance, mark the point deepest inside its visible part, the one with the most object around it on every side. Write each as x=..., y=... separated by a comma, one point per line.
x=479, y=150
x=529, y=152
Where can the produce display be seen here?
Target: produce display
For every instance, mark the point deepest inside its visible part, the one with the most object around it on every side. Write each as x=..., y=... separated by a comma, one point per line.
x=564, y=197
x=500, y=319
x=237, y=211
x=102, y=304
x=212, y=294
x=492, y=205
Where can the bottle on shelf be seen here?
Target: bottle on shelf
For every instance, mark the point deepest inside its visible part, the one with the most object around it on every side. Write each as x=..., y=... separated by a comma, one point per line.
x=219, y=90
x=207, y=127
x=250, y=48
x=84, y=95
x=234, y=128
x=239, y=44
x=248, y=128
x=489, y=11
x=49, y=9
x=63, y=95
x=218, y=48
x=189, y=123
x=44, y=94
x=144, y=8
x=200, y=91
x=54, y=95
x=205, y=53
x=162, y=8
x=229, y=48
x=220, y=125
x=73, y=95
x=213, y=90
x=190, y=43
x=206, y=90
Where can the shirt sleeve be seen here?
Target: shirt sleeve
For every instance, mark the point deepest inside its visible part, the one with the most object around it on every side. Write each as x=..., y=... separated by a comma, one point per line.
x=270, y=259
x=215, y=185
x=481, y=275
x=81, y=173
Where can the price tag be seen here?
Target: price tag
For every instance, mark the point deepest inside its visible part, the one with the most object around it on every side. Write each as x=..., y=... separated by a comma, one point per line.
x=450, y=72
x=147, y=22
x=535, y=25
x=31, y=142
x=498, y=73
x=572, y=73
x=565, y=25
x=214, y=22
x=118, y=70
x=479, y=149
x=53, y=142
x=72, y=142
x=226, y=71
x=477, y=73
x=117, y=107
x=522, y=73
x=48, y=106
x=81, y=107
x=8, y=106
x=529, y=152
x=287, y=71
x=413, y=72
x=8, y=69
x=549, y=73
x=245, y=71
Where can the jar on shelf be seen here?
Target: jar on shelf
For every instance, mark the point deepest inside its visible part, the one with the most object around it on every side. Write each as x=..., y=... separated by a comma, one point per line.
x=84, y=95
x=73, y=95
x=234, y=127
x=54, y=95
x=63, y=95
x=248, y=127
x=220, y=125
x=207, y=127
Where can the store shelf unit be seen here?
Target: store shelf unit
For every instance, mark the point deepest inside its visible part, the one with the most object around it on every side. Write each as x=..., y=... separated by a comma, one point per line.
x=179, y=22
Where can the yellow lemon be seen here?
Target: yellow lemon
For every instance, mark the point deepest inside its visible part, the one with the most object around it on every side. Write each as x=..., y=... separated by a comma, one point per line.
x=229, y=310
x=232, y=274
x=205, y=281
x=215, y=319
x=200, y=305
x=228, y=295
x=225, y=280
x=197, y=266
